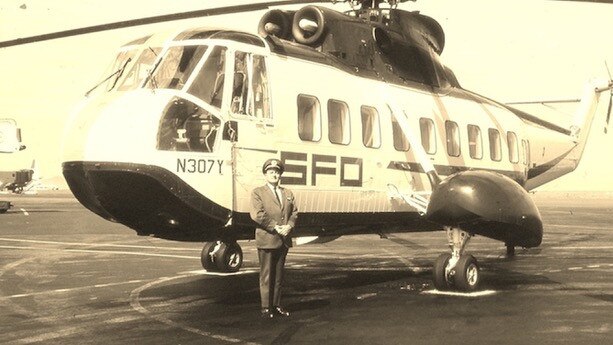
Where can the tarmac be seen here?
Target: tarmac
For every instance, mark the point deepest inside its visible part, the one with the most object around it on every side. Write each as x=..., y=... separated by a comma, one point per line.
x=68, y=276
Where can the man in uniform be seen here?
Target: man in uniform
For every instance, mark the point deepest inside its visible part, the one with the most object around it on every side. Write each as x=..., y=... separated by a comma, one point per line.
x=274, y=210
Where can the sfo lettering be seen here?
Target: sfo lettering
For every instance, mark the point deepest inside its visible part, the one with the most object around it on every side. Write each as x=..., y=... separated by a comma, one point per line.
x=297, y=164
x=201, y=166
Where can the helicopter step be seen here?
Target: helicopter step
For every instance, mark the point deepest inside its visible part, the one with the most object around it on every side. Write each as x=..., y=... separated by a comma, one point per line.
x=221, y=256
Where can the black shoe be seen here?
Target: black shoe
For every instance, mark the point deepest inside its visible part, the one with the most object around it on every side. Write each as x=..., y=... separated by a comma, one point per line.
x=282, y=312
x=266, y=313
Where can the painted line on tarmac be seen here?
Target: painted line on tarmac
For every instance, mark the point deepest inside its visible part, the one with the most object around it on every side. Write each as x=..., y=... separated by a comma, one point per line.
x=578, y=268
x=102, y=252
x=408, y=263
x=25, y=213
x=96, y=244
x=221, y=274
x=122, y=319
x=309, y=255
x=345, y=255
x=96, y=286
x=460, y=294
x=582, y=247
x=51, y=335
x=130, y=253
x=136, y=305
x=575, y=226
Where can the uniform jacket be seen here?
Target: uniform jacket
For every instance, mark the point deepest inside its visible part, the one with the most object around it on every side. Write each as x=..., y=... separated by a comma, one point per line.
x=266, y=212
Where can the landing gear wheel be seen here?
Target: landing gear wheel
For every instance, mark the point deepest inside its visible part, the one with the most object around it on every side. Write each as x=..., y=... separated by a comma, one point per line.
x=510, y=250
x=205, y=256
x=229, y=257
x=467, y=275
x=440, y=277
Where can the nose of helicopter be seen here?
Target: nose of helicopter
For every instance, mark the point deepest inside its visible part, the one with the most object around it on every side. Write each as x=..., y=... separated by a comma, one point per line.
x=116, y=170
x=120, y=129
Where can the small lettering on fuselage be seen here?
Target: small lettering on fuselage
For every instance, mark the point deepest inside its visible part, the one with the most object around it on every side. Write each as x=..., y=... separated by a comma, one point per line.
x=298, y=168
x=201, y=166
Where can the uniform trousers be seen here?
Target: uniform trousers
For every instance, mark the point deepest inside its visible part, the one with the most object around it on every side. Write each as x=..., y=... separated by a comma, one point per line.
x=271, y=275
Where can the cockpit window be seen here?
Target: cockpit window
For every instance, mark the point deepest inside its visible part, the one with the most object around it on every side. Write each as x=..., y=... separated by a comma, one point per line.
x=241, y=102
x=187, y=127
x=116, y=71
x=208, y=84
x=250, y=86
x=123, y=58
x=176, y=66
x=140, y=69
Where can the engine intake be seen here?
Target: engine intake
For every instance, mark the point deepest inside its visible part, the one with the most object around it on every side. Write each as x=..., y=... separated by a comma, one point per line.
x=311, y=24
x=277, y=23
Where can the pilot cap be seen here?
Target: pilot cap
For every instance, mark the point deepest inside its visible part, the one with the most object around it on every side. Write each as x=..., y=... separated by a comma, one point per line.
x=273, y=163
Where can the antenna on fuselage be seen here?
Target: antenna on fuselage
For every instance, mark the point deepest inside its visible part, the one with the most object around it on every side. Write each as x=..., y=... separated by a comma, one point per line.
x=610, y=98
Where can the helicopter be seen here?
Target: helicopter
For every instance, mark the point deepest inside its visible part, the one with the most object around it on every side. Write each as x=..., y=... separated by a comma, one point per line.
x=375, y=132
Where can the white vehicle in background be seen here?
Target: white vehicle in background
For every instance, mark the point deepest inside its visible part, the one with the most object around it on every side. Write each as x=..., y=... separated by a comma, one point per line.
x=14, y=181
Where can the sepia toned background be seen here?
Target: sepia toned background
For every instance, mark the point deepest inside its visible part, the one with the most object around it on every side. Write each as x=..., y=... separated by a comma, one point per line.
x=522, y=50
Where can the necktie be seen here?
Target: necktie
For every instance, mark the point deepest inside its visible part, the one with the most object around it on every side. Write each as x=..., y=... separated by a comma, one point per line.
x=278, y=194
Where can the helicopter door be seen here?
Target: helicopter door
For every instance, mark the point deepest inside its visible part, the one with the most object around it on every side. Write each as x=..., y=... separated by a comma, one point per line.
x=250, y=106
x=250, y=86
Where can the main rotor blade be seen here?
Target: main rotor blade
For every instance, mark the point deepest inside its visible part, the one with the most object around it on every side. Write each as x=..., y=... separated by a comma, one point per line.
x=595, y=1
x=153, y=20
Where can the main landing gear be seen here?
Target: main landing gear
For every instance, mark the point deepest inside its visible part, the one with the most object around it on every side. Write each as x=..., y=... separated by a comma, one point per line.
x=456, y=270
x=226, y=257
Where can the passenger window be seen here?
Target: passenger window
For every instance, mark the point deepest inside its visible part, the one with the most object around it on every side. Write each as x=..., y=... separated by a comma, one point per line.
x=309, y=118
x=526, y=149
x=475, y=143
x=338, y=122
x=371, y=132
x=453, y=138
x=495, y=147
x=401, y=143
x=513, y=147
x=208, y=85
x=428, y=135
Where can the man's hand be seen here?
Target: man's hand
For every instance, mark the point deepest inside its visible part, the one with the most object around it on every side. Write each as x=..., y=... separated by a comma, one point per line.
x=283, y=230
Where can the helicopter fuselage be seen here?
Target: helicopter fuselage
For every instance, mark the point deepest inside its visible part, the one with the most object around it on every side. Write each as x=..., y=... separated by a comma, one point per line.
x=175, y=152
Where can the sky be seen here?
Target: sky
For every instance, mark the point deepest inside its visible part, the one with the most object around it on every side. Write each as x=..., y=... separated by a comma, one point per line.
x=520, y=50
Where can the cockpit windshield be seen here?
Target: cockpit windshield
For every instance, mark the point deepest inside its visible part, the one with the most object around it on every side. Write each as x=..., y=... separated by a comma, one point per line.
x=116, y=70
x=202, y=71
x=140, y=69
x=122, y=60
x=208, y=84
x=176, y=66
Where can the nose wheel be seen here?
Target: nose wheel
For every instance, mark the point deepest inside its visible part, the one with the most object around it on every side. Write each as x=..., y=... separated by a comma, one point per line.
x=226, y=257
x=456, y=270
